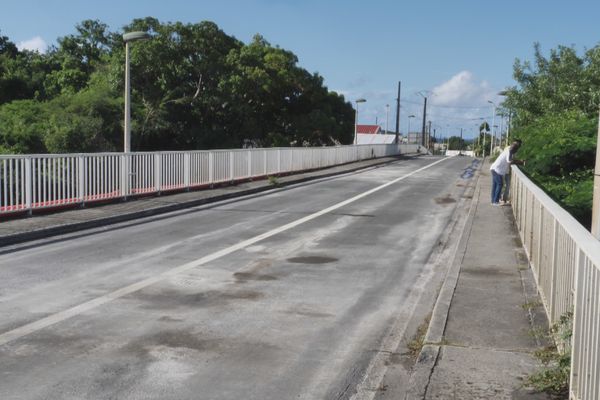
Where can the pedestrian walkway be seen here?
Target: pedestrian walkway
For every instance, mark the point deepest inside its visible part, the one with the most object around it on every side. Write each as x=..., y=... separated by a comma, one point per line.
x=481, y=338
x=21, y=229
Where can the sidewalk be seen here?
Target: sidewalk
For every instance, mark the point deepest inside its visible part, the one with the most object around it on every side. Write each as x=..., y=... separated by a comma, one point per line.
x=43, y=225
x=479, y=344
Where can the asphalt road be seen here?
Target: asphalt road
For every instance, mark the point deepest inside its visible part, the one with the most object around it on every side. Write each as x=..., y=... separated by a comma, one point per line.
x=305, y=292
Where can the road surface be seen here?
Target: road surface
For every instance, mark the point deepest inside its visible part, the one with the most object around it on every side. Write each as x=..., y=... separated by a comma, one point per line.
x=306, y=292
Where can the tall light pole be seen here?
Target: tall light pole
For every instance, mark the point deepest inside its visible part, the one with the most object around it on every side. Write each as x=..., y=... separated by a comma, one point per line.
x=483, y=144
x=505, y=93
x=356, y=119
x=128, y=38
x=493, y=123
x=408, y=133
x=424, y=118
x=398, y=113
x=387, y=117
x=596, y=191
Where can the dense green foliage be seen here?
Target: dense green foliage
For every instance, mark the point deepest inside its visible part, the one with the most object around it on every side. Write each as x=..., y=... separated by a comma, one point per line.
x=193, y=87
x=456, y=143
x=554, y=377
x=555, y=112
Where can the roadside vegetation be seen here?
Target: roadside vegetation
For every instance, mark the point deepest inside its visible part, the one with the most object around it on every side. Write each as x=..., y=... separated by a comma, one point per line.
x=193, y=87
x=554, y=110
x=553, y=378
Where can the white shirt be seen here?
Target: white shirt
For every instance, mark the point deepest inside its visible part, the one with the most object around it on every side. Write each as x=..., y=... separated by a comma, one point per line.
x=502, y=163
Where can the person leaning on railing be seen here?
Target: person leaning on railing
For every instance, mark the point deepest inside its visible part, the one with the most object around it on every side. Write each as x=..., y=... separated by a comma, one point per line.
x=500, y=169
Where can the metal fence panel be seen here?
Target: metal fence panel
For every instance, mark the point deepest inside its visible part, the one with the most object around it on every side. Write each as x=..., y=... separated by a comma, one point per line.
x=29, y=182
x=565, y=258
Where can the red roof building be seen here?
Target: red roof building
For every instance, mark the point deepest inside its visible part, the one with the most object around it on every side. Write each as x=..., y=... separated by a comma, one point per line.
x=368, y=129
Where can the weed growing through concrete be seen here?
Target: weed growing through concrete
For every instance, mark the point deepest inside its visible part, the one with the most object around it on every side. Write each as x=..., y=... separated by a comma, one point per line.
x=416, y=344
x=273, y=181
x=532, y=304
x=554, y=376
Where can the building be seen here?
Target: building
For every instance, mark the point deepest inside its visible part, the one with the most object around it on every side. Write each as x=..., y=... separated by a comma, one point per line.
x=373, y=134
x=368, y=129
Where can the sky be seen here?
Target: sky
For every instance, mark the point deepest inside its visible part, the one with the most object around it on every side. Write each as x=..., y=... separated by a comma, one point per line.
x=459, y=53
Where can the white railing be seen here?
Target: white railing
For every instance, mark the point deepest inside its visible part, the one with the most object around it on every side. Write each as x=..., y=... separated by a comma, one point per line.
x=29, y=182
x=565, y=259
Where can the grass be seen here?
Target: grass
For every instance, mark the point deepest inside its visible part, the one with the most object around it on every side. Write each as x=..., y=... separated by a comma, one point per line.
x=273, y=181
x=532, y=304
x=416, y=344
x=553, y=378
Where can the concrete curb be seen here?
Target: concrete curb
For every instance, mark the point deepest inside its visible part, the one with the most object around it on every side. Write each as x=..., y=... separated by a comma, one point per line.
x=21, y=237
x=434, y=337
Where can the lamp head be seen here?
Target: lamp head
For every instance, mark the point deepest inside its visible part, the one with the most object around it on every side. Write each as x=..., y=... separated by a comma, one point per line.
x=135, y=36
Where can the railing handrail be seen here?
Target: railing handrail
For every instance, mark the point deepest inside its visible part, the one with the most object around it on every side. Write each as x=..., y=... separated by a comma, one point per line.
x=118, y=153
x=34, y=181
x=565, y=259
x=584, y=239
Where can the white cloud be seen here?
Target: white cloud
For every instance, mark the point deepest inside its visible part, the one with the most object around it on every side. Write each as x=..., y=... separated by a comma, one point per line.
x=463, y=90
x=36, y=44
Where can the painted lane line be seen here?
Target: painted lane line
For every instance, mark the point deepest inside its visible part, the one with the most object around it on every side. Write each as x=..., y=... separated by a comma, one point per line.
x=94, y=303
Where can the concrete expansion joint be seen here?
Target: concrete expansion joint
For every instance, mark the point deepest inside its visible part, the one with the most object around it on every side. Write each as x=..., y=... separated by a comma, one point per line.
x=494, y=349
x=433, y=367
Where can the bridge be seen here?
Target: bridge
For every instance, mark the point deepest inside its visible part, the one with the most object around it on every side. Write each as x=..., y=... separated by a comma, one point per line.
x=310, y=289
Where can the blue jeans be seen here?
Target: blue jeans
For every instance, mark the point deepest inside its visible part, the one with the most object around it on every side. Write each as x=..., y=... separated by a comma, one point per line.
x=506, y=192
x=496, y=187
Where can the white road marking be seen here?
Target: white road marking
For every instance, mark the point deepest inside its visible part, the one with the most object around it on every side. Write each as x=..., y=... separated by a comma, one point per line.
x=91, y=304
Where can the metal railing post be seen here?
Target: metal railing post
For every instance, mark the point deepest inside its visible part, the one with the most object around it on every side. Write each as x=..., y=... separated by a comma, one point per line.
x=278, y=160
x=577, y=333
x=158, y=178
x=231, y=166
x=28, y=184
x=249, y=163
x=186, y=170
x=81, y=186
x=211, y=168
x=553, y=267
x=265, y=162
x=124, y=175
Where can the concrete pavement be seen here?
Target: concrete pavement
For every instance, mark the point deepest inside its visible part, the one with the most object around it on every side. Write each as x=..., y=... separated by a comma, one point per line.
x=479, y=344
x=480, y=341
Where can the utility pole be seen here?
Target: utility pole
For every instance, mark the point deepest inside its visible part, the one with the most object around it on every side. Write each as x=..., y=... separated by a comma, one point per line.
x=508, y=126
x=387, y=117
x=461, y=143
x=398, y=112
x=429, y=136
x=492, y=138
x=596, y=198
x=483, y=144
x=424, y=121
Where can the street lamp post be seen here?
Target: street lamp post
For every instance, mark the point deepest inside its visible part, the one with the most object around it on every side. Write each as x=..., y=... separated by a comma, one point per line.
x=505, y=93
x=493, y=123
x=127, y=38
x=356, y=119
x=408, y=133
x=387, y=117
x=424, y=117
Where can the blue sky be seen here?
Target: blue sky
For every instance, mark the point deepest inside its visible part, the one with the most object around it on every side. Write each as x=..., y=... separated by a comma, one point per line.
x=461, y=51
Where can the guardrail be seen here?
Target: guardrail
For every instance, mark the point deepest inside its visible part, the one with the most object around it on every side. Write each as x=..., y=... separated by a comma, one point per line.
x=565, y=259
x=29, y=182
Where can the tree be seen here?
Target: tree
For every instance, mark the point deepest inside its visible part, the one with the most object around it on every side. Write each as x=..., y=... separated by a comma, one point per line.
x=554, y=108
x=456, y=143
x=193, y=87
